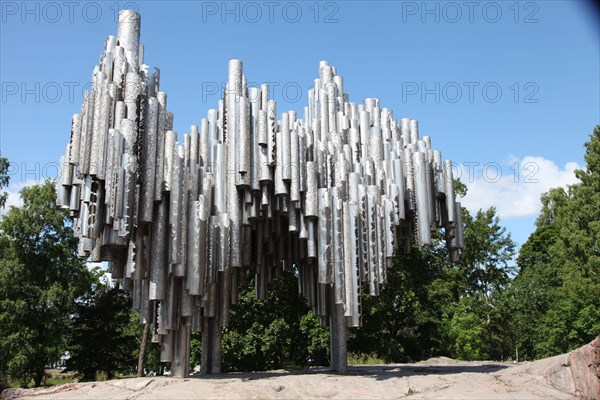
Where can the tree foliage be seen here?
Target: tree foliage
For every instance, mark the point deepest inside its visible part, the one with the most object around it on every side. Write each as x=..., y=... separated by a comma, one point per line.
x=40, y=279
x=430, y=307
x=399, y=324
x=104, y=335
x=4, y=178
x=479, y=308
x=556, y=294
x=264, y=334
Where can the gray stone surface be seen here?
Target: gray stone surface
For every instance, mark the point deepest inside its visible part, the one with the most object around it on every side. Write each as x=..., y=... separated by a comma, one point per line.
x=568, y=376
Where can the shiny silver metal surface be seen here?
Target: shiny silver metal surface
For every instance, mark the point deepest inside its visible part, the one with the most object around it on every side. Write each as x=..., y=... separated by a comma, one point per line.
x=334, y=194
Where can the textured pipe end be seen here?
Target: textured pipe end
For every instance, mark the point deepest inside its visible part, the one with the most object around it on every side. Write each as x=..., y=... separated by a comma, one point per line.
x=129, y=35
x=235, y=76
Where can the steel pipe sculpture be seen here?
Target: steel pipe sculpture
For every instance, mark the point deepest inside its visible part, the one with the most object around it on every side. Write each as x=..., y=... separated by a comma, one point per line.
x=182, y=220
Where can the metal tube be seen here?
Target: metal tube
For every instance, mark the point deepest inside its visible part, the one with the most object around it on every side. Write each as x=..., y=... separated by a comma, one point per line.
x=421, y=194
x=196, y=247
x=311, y=200
x=285, y=147
x=158, y=268
x=149, y=163
x=244, y=136
x=129, y=36
x=175, y=208
x=280, y=187
x=373, y=244
x=75, y=139
x=159, y=185
x=449, y=189
x=337, y=244
x=324, y=238
x=294, y=166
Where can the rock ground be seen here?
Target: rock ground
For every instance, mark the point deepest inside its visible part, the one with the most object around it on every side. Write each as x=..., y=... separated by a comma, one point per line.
x=569, y=376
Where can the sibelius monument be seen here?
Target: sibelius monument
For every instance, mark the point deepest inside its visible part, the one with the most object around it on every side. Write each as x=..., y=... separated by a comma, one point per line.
x=183, y=222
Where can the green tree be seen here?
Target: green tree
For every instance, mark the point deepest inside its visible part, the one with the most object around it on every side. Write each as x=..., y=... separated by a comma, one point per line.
x=558, y=284
x=486, y=260
x=468, y=328
x=431, y=307
x=532, y=289
x=407, y=320
x=195, y=349
x=486, y=270
x=103, y=339
x=151, y=360
x=264, y=334
x=4, y=178
x=40, y=279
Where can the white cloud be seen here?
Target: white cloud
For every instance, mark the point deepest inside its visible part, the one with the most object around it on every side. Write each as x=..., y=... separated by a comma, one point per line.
x=513, y=188
x=14, y=199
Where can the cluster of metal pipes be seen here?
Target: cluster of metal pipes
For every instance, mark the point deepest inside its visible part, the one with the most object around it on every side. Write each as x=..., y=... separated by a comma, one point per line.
x=331, y=196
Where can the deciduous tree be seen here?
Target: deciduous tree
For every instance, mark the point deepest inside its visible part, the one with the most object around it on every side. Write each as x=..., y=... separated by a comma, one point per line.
x=556, y=294
x=40, y=279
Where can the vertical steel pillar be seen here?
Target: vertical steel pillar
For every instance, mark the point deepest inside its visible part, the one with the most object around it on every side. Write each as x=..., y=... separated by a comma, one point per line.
x=338, y=337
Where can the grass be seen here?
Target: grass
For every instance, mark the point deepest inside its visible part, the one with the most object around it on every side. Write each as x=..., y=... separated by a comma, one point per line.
x=292, y=366
x=57, y=381
x=364, y=359
x=52, y=377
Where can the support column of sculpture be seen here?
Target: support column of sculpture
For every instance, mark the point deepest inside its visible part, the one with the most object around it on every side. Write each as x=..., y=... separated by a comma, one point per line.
x=210, y=362
x=339, y=339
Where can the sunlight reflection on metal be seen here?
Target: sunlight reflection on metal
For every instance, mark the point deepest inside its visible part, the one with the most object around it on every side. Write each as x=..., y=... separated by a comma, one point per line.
x=332, y=196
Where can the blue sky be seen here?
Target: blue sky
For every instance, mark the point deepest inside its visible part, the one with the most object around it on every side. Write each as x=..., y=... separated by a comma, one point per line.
x=508, y=90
